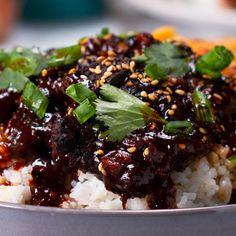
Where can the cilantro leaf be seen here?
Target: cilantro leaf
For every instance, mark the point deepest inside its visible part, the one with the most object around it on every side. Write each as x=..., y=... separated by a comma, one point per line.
x=214, y=62
x=169, y=58
x=12, y=79
x=153, y=71
x=123, y=113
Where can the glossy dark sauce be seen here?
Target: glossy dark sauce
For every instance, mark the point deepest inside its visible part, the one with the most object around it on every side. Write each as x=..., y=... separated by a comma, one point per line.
x=140, y=164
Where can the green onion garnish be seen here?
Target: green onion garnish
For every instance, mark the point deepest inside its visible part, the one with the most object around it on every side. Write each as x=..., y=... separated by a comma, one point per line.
x=12, y=79
x=84, y=96
x=64, y=56
x=179, y=127
x=79, y=93
x=233, y=159
x=35, y=100
x=84, y=111
x=153, y=71
x=214, y=62
x=202, y=107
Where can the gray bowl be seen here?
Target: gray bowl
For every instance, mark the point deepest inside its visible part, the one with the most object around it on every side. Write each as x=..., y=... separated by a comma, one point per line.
x=23, y=220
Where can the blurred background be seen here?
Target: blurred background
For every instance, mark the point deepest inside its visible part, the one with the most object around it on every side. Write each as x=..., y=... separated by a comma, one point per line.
x=48, y=23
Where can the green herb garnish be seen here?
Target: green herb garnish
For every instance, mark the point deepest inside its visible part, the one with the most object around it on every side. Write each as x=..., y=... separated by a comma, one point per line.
x=79, y=93
x=233, y=159
x=122, y=112
x=84, y=111
x=35, y=100
x=83, y=95
x=27, y=61
x=214, y=62
x=12, y=79
x=202, y=107
x=179, y=127
x=64, y=56
x=153, y=71
x=169, y=59
x=104, y=31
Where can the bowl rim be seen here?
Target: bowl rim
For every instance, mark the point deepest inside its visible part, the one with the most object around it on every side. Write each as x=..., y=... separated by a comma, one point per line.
x=100, y=212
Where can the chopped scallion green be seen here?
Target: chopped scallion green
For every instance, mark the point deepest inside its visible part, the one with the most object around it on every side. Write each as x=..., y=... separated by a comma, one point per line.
x=214, y=62
x=179, y=127
x=79, y=93
x=233, y=159
x=84, y=111
x=202, y=107
x=35, y=100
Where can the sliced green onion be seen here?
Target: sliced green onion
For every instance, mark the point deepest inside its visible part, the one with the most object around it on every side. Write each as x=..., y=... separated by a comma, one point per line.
x=179, y=127
x=84, y=111
x=35, y=100
x=233, y=159
x=64, y=56
x=79, y=93
x=202, y=107
x=104, y=31
x=12, y=79
x=155, y=72
x=214, y=62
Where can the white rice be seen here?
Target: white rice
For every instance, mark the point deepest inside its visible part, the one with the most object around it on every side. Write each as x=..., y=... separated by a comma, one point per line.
x=206, y=182
x=15, y=185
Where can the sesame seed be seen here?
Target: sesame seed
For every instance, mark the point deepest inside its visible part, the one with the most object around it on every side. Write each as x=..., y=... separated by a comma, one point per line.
x=83, y=77
x=129, y=83
x=216, y=95
x=171, y=112
x=169, y=90
x=146, y=152
x=98, y=70
x=100, y=168
x=99, y=152
x=174, y=107
x=165, y=92
x=102, y=81
x=174, y=80
x=132, y=65
x=222, y=127
x=118, y=67
x=152, y=96
x=100, y=58
x=140, y=76
x=144, y=94
x=111, y=53
x=202, y=130
x=168, y=97
x=111, y=58
x=182, y=146
x=145, y=80
x=204, y=139
x=72, y=71
x=107, y=63
x=69, y=112
x=159, y=91
x=107, y=74
x=180, y=92
x=44, y=72
x=125, y=66
x=110, y=68
x=154, y=82
x=132, y=149
x=153, y=126
x=133, y=76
